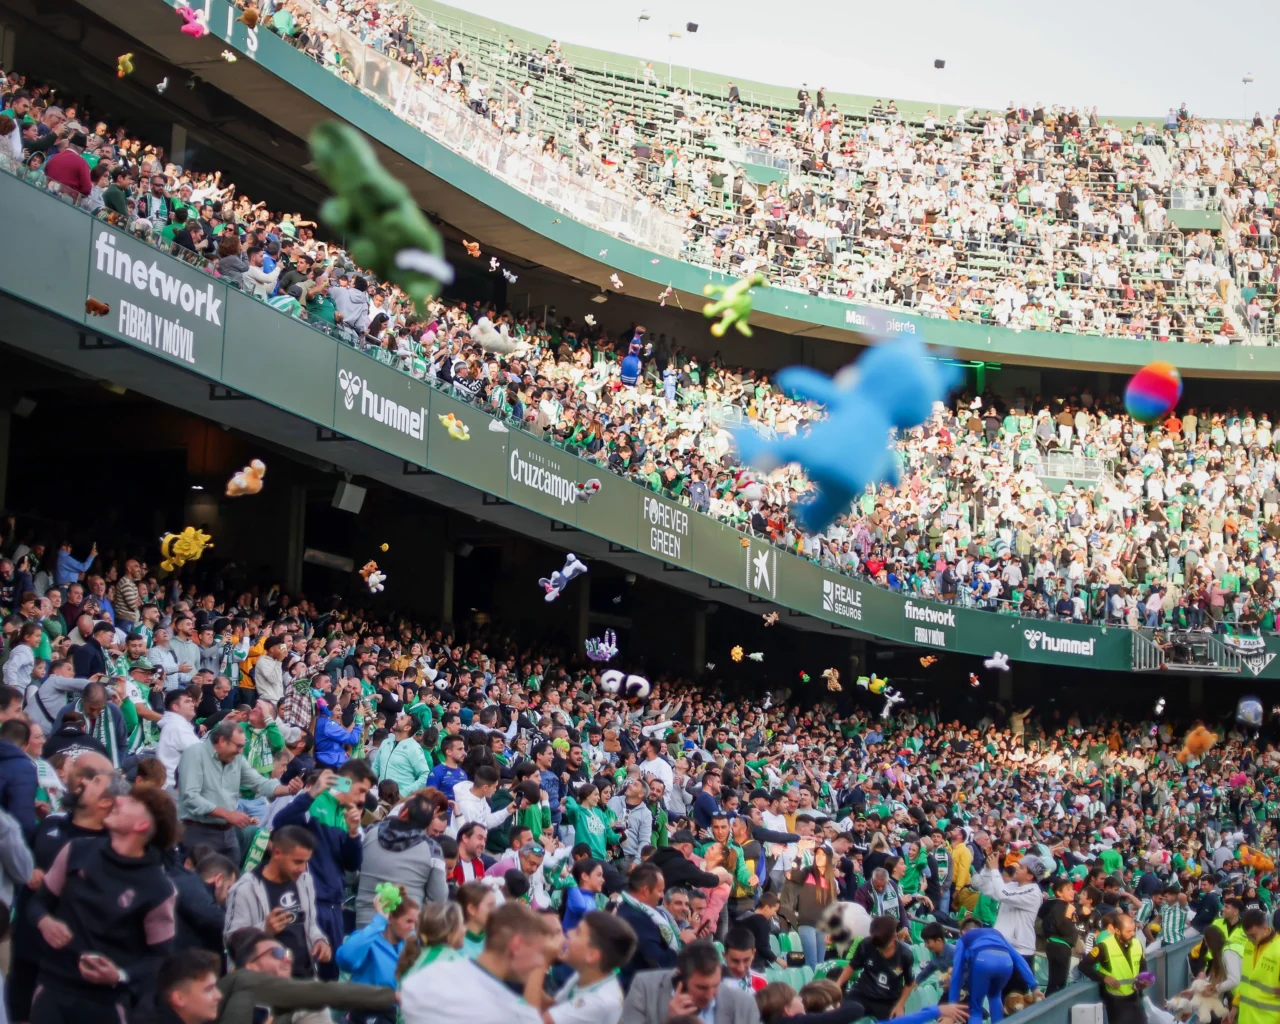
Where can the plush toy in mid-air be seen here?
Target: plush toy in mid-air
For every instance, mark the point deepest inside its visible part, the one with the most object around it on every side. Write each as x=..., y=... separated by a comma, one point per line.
x=732, y=304
x=873, y=683
x=736, y=653
x=95, y=307
x=385, y=231
x=195, y=25
x=249, y=18
x=162, y=85
x=1257, y=860
x=177, y=549
x=845, y=924
x=456, y=429
x=473, y=248
x=588, y=489
x=616, y=681
x=493, y=339
x=616, y=281
x=891, y=697
x=230, y=56
x=974, y=680
x=560, y=579
x=1159, y=708
x=603, y=648
x=770, y=618
x=928, y=661
x=756, y=656
x=832, y=676
x=373, y=577
x=124, y=65
x=589, y=320
x=510, y=276
x=248, y=480
x=893, y=386
x=997, y=662
x=746, y=486
x=1199, y=741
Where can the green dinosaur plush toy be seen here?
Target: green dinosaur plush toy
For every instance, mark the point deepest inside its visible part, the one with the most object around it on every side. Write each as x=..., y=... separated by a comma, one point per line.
x=733, y=305
x=384, y=230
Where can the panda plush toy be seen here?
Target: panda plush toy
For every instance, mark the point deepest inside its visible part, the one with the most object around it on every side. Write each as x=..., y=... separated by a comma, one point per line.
x=845, y=924
x=618, y=683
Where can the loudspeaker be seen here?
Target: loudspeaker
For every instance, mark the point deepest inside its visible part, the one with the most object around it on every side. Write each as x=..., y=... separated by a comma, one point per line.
x=349, y=497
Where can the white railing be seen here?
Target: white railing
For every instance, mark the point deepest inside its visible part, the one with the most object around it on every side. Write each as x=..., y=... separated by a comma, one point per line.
x=455, y=125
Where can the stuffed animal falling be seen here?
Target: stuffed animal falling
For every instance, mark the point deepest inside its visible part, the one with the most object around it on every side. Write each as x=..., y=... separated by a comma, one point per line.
x=196, y=24
x=554, y=586
x=832, y=676
x=732, y=304
x=632, y=687
x=177, y=549
x=457, y=430
x=1199, y=742
x=248, y=480
x=473, y=248
x=770, y=618
x=373, y=578
x=93, y=307
x=250, y=17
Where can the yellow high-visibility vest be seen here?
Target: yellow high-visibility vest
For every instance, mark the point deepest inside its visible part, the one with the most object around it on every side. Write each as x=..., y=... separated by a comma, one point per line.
x=1258, y=995
x=1124, y=968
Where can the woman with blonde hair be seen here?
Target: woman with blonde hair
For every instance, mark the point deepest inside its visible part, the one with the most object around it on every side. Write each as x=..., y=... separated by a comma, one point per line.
x=438, y=937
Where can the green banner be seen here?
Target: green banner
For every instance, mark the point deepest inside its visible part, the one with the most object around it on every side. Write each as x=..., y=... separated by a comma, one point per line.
x=381, y=406
x=168, y=307
x=185, y=318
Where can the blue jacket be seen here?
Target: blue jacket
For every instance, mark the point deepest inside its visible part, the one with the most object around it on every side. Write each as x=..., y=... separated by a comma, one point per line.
x=67, y=569
x=578, y=903
x=337, y=851
x=18, y=785
x=331, y=738
x=973, y=942
x=550, y=781
x=444, y=778
x=651, y=952
x=368, y=957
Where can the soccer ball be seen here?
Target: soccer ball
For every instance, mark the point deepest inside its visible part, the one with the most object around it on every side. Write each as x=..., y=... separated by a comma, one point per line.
x=845, y=923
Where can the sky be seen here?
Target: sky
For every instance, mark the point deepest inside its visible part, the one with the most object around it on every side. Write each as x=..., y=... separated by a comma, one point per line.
x=1124, y=57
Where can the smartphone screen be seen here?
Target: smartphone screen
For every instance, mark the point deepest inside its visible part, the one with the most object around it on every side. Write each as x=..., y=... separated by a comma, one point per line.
x=342, y=784
x=261, y=1014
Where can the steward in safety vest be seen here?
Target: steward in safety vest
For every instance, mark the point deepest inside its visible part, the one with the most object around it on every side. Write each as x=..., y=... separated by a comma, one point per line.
x=1257, y=998
x=1232, y=930
x=1114, y=963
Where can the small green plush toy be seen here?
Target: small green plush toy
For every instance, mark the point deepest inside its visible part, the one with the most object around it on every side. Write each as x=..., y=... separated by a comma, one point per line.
x=384, y=230
x=733, y=305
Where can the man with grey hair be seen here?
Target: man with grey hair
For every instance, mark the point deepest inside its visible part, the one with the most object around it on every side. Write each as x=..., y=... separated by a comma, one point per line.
x=211, y=774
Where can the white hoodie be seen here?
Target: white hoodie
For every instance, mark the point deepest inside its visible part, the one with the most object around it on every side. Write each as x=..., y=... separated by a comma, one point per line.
x=469, y=807
x=176, y=734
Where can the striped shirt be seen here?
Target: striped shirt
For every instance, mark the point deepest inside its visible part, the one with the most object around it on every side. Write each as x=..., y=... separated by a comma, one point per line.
x=1145, y=909
x=1173, y=923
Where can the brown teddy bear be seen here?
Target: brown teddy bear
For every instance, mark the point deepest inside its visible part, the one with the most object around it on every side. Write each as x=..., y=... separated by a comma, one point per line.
x=248, y=480
x=94, y=307
x=1198, y=743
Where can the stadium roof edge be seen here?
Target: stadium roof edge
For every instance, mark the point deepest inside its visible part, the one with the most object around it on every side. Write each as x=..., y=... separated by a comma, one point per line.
x=706, y=82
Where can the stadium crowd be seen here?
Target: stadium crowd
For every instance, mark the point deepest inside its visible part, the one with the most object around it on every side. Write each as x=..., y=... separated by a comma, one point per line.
x=1175, y=524
x=472, y=828
x=1039, y=218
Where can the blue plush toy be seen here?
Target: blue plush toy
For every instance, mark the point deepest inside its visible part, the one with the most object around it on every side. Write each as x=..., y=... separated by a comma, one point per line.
x=893, y=385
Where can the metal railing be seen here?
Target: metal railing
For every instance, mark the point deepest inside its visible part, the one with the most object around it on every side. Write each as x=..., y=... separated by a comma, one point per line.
x=455, y=125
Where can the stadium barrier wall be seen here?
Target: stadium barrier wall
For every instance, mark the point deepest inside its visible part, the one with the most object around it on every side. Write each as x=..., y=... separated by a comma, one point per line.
x=584, y=225
x=178, y=313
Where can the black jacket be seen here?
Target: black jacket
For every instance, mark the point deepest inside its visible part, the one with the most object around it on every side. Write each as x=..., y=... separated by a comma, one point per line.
x=679, y=870
x=88, y=659
x=199, y=919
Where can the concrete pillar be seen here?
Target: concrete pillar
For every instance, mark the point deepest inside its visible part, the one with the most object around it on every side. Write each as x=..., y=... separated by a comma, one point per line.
x=1195, y=692
x=297, y=542
x=1006, y=686
x=6, y=423
x=8, y=44
x=178, y=145
x=699, y=646
x=584, y=609
x=446, y=587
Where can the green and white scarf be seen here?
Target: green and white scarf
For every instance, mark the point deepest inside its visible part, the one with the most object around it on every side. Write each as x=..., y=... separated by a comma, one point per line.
x=660, y=921
x=101, y=730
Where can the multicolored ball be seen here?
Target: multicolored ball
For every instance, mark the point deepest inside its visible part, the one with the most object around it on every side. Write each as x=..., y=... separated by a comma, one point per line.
x=1153, y=391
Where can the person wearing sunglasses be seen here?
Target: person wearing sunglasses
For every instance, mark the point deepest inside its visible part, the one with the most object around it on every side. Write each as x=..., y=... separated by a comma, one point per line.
x=261, y=976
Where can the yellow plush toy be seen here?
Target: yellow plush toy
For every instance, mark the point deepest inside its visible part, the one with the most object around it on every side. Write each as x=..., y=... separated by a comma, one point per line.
x=177, y=549
x=248, y=480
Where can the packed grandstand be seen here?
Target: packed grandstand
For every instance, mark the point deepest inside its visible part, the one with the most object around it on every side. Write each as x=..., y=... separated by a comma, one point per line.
x=332, y=810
